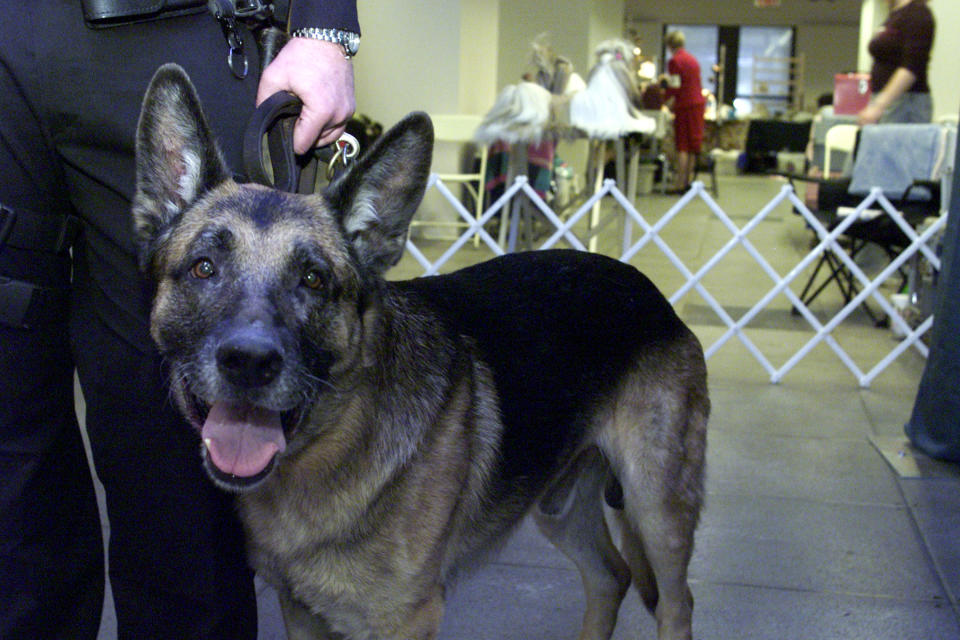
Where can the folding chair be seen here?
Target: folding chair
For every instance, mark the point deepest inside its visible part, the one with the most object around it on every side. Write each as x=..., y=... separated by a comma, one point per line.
x=839, y=138
x=905, y=161
x=459, y=129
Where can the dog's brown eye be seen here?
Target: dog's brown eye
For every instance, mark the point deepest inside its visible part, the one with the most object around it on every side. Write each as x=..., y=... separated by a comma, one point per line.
x=202, y=269
x=312, y=280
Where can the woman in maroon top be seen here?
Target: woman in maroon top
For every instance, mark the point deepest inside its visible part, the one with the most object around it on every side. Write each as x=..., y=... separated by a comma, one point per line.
x=901, y=53
x=685, y=97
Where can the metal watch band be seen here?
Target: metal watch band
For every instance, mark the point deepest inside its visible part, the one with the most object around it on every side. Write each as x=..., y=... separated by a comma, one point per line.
x=349, y=40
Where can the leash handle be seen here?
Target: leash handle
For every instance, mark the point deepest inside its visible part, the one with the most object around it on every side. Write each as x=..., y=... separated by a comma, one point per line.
x=275, y=118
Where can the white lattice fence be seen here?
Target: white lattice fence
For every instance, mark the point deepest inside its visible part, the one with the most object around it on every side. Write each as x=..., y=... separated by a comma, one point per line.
x=521, y=192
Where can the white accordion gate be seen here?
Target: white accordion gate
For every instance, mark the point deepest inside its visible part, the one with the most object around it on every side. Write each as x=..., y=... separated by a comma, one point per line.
x=651, y=233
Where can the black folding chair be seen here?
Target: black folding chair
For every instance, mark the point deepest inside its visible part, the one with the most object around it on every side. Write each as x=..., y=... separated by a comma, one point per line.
x=919, y=200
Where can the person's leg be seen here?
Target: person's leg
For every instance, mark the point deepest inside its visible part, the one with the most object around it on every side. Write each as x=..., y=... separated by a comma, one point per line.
x=682, y=132
x=177, y=562
x=177, y=565
x=683, y=170
x=695, y=137
x=51, y=549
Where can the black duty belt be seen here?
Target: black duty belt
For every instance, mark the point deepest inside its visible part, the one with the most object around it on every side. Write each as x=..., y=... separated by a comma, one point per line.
x=46, y=233
x=23, y=304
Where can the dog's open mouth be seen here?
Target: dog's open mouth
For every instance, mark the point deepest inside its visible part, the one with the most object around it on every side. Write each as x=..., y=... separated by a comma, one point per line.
x=242, y=441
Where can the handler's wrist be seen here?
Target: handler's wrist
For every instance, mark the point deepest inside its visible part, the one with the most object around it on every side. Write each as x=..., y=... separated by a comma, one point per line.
x=348, y=40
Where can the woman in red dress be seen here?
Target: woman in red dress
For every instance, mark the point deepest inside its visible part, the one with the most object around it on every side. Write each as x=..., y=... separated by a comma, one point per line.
x=685, y=97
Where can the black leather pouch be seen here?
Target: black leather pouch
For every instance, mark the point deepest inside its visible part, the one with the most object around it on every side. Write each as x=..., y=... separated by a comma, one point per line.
x=99, y=14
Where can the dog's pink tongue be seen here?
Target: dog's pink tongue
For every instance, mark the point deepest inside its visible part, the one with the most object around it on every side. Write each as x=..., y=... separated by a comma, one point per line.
x=242, y=439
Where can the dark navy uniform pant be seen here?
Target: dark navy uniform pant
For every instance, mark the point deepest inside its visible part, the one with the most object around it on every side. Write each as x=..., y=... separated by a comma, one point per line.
x=934, y=425
x=69, y=102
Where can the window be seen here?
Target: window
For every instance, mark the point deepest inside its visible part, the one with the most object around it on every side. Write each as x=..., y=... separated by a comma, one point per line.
x=762, y=74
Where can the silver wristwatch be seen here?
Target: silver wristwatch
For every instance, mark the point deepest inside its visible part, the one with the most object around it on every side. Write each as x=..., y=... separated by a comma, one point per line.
x=349, y=40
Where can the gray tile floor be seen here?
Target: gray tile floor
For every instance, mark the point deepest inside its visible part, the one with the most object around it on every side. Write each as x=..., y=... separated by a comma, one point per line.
x=820, y=522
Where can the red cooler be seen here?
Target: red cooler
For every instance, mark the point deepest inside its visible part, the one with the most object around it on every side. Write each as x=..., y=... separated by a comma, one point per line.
x=851, y=92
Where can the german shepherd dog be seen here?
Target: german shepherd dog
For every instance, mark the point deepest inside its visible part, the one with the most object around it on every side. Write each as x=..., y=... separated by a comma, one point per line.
x=383, y=435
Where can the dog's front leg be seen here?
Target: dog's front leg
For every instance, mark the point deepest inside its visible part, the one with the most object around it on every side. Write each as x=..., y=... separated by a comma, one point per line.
x=301, y=624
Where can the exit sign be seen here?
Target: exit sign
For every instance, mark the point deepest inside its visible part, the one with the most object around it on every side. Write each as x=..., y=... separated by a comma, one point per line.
x=766, y=3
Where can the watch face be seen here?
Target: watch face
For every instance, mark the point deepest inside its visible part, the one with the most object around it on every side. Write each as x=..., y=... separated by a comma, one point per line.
x=351, y=43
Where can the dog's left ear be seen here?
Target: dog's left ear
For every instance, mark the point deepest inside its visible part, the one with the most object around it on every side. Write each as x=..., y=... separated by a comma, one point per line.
x=380, y=193
x=177, y=157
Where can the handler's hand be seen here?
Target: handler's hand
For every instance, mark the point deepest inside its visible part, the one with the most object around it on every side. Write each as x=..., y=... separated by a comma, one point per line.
x=317, y=73
x=869, y=115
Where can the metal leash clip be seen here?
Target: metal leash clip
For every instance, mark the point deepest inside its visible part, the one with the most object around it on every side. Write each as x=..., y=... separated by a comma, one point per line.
x=255, y=14
x=226, y=14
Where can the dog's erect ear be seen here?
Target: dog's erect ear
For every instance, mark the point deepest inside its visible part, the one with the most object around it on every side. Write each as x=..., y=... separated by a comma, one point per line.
x=177, y=157
x=378, y=196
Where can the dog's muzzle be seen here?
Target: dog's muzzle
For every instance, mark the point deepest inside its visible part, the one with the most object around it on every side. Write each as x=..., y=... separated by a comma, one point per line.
x=242, y=438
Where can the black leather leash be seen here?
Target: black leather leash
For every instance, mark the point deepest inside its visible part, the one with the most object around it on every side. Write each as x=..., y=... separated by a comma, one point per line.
x=275, y=119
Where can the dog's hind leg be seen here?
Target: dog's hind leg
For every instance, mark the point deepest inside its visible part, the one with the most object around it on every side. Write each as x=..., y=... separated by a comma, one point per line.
x=571, y=516
x=656, y=449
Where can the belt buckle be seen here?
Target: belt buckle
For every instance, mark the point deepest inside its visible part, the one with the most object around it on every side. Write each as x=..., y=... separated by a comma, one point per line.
x=7, y=219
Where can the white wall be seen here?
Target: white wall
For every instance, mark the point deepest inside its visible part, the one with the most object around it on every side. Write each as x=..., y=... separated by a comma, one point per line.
x=409, y=58
x=479, y=43
x=827, y=50
x=943, y=75
x=566, y=21
x=872, y=15
x=437, y=56
x=606, y=21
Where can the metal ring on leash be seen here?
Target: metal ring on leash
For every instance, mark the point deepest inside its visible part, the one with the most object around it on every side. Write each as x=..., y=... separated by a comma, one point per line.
x=350, y=146
x=347, y=149
x=238, y=63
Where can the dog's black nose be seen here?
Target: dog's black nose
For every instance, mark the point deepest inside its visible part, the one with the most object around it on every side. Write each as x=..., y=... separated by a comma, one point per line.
x=249, y=361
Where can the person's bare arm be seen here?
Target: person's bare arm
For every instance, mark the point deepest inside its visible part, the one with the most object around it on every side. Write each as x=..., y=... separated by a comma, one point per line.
x=901, y=81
